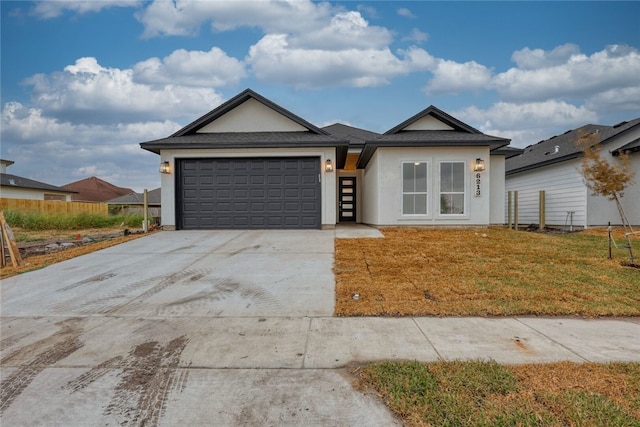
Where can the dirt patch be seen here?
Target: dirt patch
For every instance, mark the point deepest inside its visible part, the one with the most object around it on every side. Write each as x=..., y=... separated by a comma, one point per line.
x=36, y=256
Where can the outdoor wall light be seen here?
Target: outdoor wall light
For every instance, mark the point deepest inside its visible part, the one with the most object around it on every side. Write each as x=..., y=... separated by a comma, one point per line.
x=479, y=165
x=328, y=166
x=165, y=167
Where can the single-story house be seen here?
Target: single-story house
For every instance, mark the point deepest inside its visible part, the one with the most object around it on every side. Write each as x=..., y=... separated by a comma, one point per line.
x=553, y=165
x=94, y=189
x=17, y=187
x=133, y=203
x=250, y=163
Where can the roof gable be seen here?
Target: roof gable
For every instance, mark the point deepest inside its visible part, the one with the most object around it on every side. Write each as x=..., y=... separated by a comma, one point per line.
x=432, y=118
x=249, y=112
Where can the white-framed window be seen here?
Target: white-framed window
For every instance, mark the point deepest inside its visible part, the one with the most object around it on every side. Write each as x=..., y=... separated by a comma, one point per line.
x=414, y=188
x=452, y=188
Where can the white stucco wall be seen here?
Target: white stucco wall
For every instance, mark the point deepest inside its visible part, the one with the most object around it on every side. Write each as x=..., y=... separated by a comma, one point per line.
x=370, y=195
x=328, y=187
x=28, y=194
x=252, y=116
x=383, y=186
x=496, y=204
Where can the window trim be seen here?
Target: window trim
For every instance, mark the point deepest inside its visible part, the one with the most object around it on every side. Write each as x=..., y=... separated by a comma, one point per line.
x=464, y=192
x=426, y=193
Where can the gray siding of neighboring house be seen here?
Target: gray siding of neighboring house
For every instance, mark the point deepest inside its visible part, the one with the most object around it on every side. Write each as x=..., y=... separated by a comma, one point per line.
x=564, y=191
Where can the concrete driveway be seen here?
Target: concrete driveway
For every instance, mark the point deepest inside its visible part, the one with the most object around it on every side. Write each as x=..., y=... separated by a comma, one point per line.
x=177, y=328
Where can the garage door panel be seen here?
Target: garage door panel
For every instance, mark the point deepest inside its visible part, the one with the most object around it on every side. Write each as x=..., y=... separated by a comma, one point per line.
x=248, y=193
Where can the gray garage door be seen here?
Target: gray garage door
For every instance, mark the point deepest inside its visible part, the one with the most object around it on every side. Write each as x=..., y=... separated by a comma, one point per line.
x=251, y=193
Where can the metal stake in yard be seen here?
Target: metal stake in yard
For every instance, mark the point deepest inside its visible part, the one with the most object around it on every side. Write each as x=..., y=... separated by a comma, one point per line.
x=609, y=230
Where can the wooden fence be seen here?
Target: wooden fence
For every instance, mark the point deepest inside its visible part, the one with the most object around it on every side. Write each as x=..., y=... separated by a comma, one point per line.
x=53, y=207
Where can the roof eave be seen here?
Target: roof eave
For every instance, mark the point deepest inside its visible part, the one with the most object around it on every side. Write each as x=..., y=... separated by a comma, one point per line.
x=371, y=147
x=545, y=163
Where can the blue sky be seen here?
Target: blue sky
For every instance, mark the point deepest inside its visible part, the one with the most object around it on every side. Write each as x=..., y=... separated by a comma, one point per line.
x=83, y=83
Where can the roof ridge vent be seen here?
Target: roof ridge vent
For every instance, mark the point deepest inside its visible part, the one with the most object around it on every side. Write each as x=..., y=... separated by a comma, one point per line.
x=620, y=124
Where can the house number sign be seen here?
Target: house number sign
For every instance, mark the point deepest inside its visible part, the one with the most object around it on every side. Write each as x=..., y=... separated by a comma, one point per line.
x=478, y=182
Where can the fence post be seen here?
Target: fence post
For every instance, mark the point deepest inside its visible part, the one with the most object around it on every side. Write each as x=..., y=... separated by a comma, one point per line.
x=509, y=207
x=145, y=199
x=515, y=210
x=541, y=211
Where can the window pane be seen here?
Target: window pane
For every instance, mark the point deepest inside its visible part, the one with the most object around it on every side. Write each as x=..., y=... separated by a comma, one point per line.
x=407, y=204
x=420, y=207
x=421, y=177
x=452, y=204
x=445, y=177
x=445, y=204
x=458, y=177
x=457, y=202
x=407, y=177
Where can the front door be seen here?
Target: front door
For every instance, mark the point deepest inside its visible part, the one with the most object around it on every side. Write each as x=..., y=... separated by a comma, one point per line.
x=347, y=199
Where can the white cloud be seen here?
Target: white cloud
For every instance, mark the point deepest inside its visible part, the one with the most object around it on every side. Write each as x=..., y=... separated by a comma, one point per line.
x=89, y=92
x=345, y=30
x=110, y=151
x=53, y=9
x=416, y=36
x=185, y=17
x=190, y=68
x=527, y=59
x=524, y=123
x=616, y=67
x=273, y=60
x=454, y=77
x=403, y=11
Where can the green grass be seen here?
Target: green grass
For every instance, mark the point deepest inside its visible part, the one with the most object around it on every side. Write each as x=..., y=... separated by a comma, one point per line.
x=33, y=221
x=481, y=393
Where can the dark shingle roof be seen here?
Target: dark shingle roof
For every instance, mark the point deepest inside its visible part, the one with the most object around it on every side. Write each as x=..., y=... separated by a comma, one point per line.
x=545, y=152
x=356, y=136
x=508, y=152
x=153, y=198
x=8, y=180
x=631, y=147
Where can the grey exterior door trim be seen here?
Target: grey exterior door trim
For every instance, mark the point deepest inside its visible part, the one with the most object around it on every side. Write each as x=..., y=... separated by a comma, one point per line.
x=248, y=193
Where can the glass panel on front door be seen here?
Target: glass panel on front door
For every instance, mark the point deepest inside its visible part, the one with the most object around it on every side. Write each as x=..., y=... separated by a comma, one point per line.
x=347, y=199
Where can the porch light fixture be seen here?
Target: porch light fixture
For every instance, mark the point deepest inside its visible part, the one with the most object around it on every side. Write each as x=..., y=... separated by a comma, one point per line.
x=328, y=166
x=478, y=165
x=165, y=167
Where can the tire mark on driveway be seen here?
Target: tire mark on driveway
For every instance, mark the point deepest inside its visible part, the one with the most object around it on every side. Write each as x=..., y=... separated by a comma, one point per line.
x=39, y=355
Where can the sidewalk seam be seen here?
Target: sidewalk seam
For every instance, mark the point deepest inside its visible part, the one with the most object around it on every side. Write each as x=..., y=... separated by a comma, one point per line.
x=552, y=340
x=427, y=338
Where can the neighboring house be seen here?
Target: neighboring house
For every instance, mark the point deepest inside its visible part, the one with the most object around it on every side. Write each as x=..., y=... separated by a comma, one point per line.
x=133, y=203
x=17, y=187
x=252, y=164
x=553, y=165
x=95, y=190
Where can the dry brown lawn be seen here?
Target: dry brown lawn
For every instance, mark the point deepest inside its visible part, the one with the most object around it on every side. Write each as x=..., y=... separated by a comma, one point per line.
x=484, y=272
